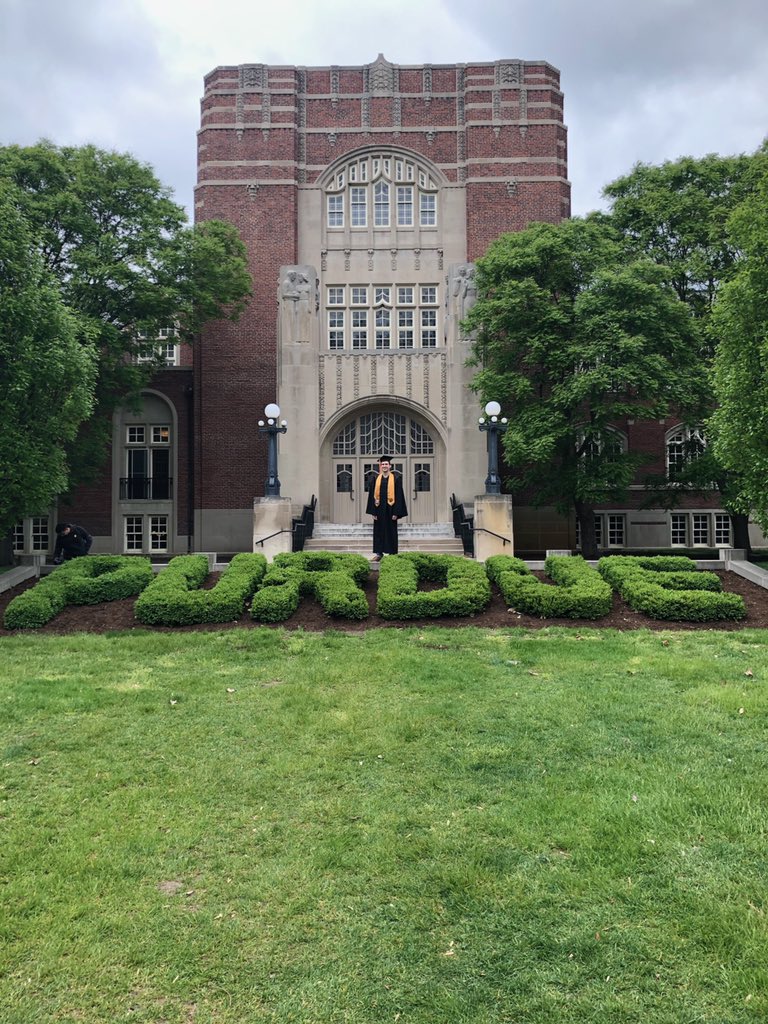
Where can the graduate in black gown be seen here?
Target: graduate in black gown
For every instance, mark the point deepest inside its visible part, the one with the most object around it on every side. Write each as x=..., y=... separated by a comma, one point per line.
x=386, y=503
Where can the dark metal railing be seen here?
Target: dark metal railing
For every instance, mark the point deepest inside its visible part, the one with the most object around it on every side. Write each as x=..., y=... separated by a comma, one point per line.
x=146, y=488
x=463, y=526
x=304, y=525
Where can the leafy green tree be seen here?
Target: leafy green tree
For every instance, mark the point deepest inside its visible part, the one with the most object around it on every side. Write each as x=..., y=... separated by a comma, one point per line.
x=47, y=373
x=573, y=338
x=740, y=423
x=677, y=214
x=125, y=261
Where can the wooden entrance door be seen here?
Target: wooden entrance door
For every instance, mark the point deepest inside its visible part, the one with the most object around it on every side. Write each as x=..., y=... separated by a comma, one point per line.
x=345, y=496
x=421, y=500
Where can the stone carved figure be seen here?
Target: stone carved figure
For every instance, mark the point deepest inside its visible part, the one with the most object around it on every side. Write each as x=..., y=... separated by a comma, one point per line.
x=462, y=292
x=299, y=300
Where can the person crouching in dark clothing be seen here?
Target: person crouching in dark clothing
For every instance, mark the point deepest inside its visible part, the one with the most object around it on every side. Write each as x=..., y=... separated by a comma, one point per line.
x=71, y=542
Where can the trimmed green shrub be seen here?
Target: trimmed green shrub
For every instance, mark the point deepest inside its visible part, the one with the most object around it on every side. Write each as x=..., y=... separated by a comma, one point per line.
x=580, y=592
x=334, y=579
x=657, y=587
x=92, y=579
x=465, y=590
x=174, y=597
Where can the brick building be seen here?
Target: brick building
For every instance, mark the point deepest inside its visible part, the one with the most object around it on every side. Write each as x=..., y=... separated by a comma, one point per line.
x=363, y=195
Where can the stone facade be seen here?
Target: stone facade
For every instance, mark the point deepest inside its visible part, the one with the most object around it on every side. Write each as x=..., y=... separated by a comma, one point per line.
x=482, y=147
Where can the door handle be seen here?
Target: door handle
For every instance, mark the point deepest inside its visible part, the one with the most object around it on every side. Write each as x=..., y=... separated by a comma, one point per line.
x=352, y=495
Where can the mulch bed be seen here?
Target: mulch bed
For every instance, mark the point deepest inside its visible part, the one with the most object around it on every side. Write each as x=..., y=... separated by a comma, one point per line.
x=118, y=615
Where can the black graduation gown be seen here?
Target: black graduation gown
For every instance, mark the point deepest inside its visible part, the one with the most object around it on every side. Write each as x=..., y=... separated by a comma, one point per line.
x=384, y=527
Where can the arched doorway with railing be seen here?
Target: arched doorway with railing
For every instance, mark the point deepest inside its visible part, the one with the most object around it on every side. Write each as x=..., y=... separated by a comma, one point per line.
x=350, y=451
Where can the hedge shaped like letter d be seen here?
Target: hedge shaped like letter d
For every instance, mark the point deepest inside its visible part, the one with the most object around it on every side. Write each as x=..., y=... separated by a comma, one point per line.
x=89, y=580
x=174, y=597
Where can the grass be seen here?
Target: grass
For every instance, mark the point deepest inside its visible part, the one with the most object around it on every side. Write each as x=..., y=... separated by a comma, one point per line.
x=422, y=825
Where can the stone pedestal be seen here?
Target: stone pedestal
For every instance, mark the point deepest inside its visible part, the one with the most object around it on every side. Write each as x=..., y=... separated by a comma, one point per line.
x=272, y=523
x=493, y=512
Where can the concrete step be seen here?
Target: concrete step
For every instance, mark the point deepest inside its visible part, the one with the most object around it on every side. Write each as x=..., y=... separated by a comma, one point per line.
x=363, y=545
x=366, y=530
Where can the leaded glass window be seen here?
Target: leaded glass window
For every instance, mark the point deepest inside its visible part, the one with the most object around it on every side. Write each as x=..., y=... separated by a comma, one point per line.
x=382, y=432
x=421, y=441
x=345, y=441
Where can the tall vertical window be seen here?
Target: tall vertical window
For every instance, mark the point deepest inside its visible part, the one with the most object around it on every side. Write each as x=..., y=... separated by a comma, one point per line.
x=358, y=206
x=684, y=445
x=336, y=211
x=722, y=529
x=134, y=533
x=381, y=204
x=158, y=533
x=40, y=537
x=678, y=532
x=405, y=328
x=700, y=529
x=359, y=328
x=18, y=537
x=336, y=328
x=427, y=209
x=383, y=325
x=147, y=463
x=404, y=205
x=428, y=328
x=616, y=531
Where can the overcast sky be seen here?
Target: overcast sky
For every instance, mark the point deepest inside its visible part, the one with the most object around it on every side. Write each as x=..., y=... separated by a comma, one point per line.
x=643, y=81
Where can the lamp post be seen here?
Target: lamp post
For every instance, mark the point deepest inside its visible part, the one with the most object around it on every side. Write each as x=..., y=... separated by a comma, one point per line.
x=493, y=426
x=272, y=428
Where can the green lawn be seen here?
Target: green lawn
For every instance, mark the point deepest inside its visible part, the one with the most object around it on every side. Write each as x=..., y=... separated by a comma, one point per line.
x=429, y=826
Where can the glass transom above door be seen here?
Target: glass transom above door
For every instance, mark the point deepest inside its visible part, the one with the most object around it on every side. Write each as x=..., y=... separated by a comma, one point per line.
x=383, y=433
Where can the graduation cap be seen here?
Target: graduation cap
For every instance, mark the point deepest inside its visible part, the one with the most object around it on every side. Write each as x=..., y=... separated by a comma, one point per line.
x=385, y=458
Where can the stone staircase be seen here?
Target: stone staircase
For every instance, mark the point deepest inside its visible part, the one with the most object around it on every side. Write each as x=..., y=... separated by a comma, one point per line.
x=434, y=538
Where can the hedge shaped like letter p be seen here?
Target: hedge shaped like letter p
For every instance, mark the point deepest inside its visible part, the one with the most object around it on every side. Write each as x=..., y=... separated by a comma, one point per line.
x=88, y=580
x=174, y=597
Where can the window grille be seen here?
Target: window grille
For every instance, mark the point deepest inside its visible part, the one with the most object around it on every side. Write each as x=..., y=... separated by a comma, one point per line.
x=345, y=441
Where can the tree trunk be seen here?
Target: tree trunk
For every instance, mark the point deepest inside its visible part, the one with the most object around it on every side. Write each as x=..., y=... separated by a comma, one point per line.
x=6, y=550
x=740, y=526
x=585, y=516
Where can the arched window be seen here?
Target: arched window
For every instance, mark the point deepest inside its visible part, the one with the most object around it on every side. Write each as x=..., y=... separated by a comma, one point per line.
x=608, y=443
x=382, y=189
x=683, y=446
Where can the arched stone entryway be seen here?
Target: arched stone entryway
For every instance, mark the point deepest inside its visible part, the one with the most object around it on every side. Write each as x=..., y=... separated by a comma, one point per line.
x=351, y=450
